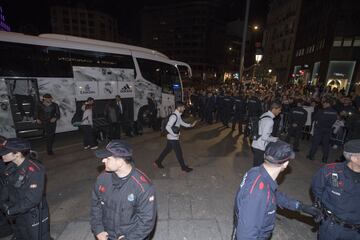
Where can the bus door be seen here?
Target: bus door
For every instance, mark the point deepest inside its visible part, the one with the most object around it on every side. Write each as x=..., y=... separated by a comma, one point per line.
x=185, y=75
x=24, y=101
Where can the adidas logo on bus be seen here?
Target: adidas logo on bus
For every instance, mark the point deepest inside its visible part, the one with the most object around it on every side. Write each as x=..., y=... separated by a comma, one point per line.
x=126, y=88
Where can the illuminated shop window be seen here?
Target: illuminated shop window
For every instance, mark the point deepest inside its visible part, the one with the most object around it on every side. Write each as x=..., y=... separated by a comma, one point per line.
x=340, y=74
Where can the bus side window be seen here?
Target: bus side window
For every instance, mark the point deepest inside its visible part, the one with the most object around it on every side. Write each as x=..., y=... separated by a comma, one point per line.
x=150, y=70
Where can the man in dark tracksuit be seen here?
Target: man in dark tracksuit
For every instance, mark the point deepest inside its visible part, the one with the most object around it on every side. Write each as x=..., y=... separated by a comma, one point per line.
x=336, y=188
x=297, y=117
x=152, y=112
x=49, y=114
x=24, y=199
x=123, y=205
x=239, y=113
x=324, y=120
x=258, y=197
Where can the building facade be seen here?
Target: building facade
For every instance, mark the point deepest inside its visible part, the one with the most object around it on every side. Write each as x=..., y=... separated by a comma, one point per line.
x=189, y=31
x=279, y=37
x=82, y=22
x=327, y=48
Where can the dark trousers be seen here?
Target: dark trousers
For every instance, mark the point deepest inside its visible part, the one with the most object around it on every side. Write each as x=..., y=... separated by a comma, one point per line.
x=114, y=130
x=249, y=120
x=238, y=121
x=333, y=231
x=294, y=132
x=88, y=136
x=226, y=117
x=49, y=132
x=20, y=99
x=27, y=225
x=152, y=121
x=209, y=116
x=173, y=145
x=202, y=113
x=258, y=157
x=321, y=136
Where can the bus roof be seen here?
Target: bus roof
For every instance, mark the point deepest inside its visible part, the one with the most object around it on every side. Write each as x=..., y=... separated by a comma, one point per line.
x=102, y=43
x=71, y=42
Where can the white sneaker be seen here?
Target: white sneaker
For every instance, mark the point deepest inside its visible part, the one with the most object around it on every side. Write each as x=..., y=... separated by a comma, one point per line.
x=87, y=147
x=94, y=147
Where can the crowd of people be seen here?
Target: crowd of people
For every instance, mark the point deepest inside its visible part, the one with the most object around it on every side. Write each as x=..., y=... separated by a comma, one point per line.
x=329, y=116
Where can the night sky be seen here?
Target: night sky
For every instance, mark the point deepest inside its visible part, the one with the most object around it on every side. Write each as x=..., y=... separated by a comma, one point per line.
x=33, y=16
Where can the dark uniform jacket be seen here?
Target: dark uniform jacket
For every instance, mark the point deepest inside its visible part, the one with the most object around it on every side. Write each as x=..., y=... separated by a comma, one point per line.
x=298, y=116
x=123, y=206
x=353, y=126
x=26, y=199
x=239, y=107
x=255, y=205
x=325, y=118
x=25, y=185
x=338, y=191
x=254, y=107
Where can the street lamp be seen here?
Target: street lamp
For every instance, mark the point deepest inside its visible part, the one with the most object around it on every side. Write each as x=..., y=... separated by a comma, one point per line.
x=270, y=70
x=258, y=56
x=256, y=27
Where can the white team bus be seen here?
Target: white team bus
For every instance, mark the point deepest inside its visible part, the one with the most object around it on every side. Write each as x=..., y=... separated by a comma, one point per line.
x=72, y=69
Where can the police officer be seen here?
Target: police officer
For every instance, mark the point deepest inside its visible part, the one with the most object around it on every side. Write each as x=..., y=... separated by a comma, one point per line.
x=49, y=114
x=220, y=107
x=297, y=119
x=227, y=109
x=5, y=227
x=336, y=188
x=123, y=200
x=324, y=120
x=353, y=125
x=209, y=108
x=24, y=198
x=257, y=198
x=239, y=112
x=254, y=110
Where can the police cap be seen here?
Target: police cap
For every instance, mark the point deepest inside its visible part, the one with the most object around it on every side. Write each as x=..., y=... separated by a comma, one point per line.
x=115, y=148
x=278, y=152
x=14, y=145
x=352, y=146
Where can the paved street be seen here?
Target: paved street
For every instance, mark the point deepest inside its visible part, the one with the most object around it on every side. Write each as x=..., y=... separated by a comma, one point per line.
x=193, y=206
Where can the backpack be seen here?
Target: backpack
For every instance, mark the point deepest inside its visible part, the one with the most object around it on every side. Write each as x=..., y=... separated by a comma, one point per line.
x=164, y=122
x=76, y=120
x=254, y=127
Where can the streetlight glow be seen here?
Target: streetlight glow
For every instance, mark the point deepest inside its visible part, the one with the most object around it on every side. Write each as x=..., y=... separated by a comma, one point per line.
x=256, y=27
